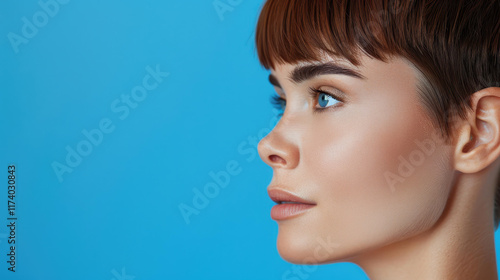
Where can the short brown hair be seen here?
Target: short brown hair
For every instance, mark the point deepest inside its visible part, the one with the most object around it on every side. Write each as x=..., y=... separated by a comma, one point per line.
x=455, y=44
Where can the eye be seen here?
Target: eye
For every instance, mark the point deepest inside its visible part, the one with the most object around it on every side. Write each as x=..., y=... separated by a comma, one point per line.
x=279, y=103
x=324, y=99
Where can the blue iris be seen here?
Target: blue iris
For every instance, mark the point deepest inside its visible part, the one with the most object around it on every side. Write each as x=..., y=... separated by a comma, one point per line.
x=325, y=100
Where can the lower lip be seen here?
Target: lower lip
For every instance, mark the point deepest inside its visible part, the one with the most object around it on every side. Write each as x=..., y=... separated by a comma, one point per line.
x=288, y=210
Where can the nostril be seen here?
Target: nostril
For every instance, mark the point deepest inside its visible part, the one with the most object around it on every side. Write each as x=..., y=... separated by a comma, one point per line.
x=276, y=159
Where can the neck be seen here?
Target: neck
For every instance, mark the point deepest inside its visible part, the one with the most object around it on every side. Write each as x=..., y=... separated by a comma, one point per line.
x=459, y=246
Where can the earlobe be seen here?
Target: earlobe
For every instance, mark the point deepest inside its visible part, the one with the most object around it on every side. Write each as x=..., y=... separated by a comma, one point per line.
x=478, y=142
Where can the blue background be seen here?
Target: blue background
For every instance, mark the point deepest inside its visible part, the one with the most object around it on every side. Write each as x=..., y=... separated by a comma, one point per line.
x=116, y=215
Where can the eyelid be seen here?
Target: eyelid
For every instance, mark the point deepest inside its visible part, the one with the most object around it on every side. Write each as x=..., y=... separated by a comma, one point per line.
x=338, y=95
x=279, y=102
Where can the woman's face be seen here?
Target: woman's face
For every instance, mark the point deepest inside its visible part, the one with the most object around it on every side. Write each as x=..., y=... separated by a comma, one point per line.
x=370, y=161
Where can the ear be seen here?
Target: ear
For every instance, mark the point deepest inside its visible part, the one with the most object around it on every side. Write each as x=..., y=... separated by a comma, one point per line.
x=478, y=138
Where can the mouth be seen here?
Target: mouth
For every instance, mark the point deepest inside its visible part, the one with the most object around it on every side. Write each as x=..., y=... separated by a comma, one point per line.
x=288, y=205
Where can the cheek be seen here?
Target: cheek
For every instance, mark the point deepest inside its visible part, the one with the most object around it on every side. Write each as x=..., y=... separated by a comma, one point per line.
x=379, y=173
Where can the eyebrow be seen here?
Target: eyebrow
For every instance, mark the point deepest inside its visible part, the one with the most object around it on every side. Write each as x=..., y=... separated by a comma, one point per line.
x=302, y=73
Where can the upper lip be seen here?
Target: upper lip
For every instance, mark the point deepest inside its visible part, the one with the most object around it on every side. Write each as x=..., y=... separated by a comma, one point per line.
x=279, y=196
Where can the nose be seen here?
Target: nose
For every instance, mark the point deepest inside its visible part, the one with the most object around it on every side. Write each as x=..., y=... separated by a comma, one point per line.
x=279, y=148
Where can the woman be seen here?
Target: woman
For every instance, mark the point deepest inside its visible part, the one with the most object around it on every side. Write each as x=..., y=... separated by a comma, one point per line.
x=387, y=154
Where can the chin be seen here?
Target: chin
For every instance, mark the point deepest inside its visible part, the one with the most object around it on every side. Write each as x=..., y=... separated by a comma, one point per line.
x=301, y=247
x=300, y=244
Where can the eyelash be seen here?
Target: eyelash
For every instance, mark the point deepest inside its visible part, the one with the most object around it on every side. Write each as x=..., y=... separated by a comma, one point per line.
x=277, y=101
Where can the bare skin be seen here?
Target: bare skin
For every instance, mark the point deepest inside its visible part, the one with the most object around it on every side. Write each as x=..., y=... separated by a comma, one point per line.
x=391, y=196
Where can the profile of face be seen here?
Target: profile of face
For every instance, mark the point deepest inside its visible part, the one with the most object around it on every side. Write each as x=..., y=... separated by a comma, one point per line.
x=359, y=152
